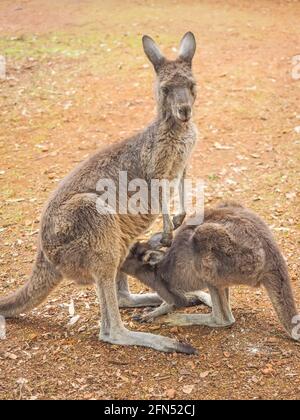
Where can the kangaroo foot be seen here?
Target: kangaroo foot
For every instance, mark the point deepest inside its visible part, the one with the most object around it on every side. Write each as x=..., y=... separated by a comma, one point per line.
x=197, y=319
x=156, y=342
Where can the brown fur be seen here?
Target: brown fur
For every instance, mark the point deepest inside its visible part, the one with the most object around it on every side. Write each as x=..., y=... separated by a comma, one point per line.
x=79, y=243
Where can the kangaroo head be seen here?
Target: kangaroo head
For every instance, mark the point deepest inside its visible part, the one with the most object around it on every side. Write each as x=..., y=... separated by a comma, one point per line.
x=176, y=86
x=142, y=258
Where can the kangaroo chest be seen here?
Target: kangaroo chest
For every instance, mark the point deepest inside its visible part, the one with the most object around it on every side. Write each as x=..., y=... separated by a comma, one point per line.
x=179, y=155
x=171, y=154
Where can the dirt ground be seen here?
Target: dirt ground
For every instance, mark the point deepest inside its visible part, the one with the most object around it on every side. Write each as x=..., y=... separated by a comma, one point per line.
x=77, y=80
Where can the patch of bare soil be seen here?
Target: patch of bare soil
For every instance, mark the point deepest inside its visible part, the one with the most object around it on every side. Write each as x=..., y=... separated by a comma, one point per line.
x=77, y=81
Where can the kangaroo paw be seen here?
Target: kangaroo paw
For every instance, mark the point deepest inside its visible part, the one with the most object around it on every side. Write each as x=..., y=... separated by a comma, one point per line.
x=178, y=220
x=167, y=239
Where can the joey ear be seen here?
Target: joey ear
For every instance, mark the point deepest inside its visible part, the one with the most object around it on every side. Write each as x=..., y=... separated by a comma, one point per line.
x=153, y=257
x=138, y=250
x=187, y=47
x=153, y=52
x=155, y=241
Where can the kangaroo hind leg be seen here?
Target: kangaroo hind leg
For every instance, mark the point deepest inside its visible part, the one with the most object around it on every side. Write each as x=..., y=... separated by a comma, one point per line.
x=114, y=330
x=221, y=315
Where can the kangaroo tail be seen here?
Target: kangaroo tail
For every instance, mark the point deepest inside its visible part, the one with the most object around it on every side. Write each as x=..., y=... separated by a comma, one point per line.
x=43, y=280
x=280, y=291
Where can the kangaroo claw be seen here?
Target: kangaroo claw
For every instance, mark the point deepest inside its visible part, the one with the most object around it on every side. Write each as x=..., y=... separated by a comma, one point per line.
x=186, y=348
x=142, y=319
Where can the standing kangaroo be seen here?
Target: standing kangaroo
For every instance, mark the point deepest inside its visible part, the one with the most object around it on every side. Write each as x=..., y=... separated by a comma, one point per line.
x=233, y=246
x=79, y=243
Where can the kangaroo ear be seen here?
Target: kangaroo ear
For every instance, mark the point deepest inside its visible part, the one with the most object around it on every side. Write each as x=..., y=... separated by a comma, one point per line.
x=152, y=52
x=153, y=257
x=155, y=241
x=187, y=47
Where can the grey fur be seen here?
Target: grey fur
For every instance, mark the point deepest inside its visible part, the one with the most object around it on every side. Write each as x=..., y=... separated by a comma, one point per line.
x=233, y=246
x=187, y=47
x=78, y=243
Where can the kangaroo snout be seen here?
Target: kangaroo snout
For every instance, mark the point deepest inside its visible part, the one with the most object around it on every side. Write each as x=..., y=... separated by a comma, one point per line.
x=184, y=113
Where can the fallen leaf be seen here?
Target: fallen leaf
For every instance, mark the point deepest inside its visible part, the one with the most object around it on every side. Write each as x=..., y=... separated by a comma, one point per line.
x=188, y=389
x=171, y=394
x=72, y=308
x=10, y=356
x=219, y=146
x=297, y=129
x=204, y=375
x=32, y=336
x=73, y=321
x=22, y=381
x=268, y=370
x=15, y=200
x=291, y=195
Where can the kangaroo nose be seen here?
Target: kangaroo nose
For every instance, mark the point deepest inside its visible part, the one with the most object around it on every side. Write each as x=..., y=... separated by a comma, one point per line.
x=184, y=112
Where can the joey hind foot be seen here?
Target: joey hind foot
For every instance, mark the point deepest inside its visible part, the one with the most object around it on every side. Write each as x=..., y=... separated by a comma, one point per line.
x=129, y=300
x=208, y=320
x=150, y=316
x=142, y=318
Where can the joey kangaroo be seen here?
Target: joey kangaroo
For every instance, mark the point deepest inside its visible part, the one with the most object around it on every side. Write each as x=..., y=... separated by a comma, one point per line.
x=80, y=243
x=233, y=246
